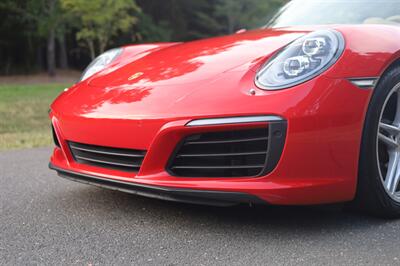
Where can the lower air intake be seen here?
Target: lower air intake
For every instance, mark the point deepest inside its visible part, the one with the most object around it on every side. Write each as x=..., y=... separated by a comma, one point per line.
x=239, y=153
x=125, y=160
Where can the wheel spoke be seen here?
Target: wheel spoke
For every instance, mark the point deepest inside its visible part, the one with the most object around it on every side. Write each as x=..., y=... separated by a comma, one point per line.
x=395, y=183
x=393, y=172
x=397, y=115
x=394, y=130
x=391, y=143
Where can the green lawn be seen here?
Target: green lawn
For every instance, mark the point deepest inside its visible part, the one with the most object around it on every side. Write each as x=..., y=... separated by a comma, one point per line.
x=24, y=121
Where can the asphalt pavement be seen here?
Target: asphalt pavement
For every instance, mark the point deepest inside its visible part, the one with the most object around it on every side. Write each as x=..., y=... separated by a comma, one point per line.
x=46, y=220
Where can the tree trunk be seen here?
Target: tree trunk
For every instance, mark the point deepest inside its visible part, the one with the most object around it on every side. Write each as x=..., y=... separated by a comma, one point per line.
x=63, y=52
x=8, y=66
x=231, y=24
x=40, y=58
x=91, y=49
x=51, y=53
x=103, y=45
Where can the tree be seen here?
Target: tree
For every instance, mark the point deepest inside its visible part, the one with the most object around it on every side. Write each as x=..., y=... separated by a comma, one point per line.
x=185, y=20
x=47, y=17
x=236, y=14
x=101, y=20
x=33, y=31
x=61, y=38
x=146, y=30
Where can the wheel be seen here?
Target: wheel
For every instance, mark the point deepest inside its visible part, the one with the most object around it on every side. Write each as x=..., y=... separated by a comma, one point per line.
x=378, y=190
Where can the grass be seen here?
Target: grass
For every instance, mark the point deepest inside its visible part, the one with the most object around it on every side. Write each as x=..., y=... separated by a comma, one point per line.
x=24, y=121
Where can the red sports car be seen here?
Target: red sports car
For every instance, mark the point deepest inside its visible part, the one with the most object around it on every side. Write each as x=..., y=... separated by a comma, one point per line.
x=303, y=111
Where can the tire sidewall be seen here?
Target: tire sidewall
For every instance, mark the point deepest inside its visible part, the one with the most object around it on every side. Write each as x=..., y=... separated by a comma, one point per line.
x=371, y=190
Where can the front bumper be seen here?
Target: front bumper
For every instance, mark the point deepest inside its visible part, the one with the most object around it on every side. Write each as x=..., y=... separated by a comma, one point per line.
x=319, y=163
x=202, y=197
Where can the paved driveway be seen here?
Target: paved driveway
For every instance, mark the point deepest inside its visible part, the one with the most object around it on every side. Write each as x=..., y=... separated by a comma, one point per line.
x=47, y=220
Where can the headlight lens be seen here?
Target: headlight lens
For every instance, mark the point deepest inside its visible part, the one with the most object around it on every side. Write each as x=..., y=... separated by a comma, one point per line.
x=101, y=62
x=302, y=60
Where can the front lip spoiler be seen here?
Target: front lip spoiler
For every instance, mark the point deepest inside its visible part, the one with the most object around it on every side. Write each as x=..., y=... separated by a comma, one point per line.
x=201, y=197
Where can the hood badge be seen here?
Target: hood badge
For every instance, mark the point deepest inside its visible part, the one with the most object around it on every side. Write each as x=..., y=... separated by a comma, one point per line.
x=135, y=76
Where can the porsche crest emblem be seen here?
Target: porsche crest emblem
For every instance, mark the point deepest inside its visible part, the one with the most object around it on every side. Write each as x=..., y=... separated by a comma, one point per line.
x=135, y=76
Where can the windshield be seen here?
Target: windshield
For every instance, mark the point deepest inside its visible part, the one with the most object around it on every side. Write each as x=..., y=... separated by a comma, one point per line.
x=323, y=12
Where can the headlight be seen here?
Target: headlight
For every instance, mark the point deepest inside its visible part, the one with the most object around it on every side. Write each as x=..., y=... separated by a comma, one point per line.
x=301, y=60
x=101, y=62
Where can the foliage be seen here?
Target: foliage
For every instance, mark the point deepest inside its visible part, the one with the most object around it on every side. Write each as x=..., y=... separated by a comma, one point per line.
x=86, y=28
x=101, y=20
x=43, y=15
x=236, y=14
x=146, y=30
x=44, y=18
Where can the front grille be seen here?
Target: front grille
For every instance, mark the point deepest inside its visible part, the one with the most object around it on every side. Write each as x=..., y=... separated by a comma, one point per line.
x=238, y=153
x=112, y=158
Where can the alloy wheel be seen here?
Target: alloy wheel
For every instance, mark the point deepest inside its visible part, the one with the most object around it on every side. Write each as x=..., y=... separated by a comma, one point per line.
x=388, y=144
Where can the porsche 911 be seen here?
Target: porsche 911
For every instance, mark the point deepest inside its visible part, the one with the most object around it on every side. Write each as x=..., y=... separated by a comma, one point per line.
x=303, y=111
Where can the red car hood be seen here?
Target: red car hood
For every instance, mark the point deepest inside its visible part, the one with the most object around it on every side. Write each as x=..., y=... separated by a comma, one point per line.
x=172, y=82
x=196, y=61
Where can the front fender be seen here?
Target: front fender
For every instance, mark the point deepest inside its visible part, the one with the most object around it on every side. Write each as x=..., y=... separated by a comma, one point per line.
x=370, y=49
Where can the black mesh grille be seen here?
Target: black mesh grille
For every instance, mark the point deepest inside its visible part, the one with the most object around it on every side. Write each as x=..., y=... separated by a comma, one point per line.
x=119, y=159
x=238, y=153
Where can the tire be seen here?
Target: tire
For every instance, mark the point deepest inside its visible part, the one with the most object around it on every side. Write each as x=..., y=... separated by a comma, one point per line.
x=373, y=195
